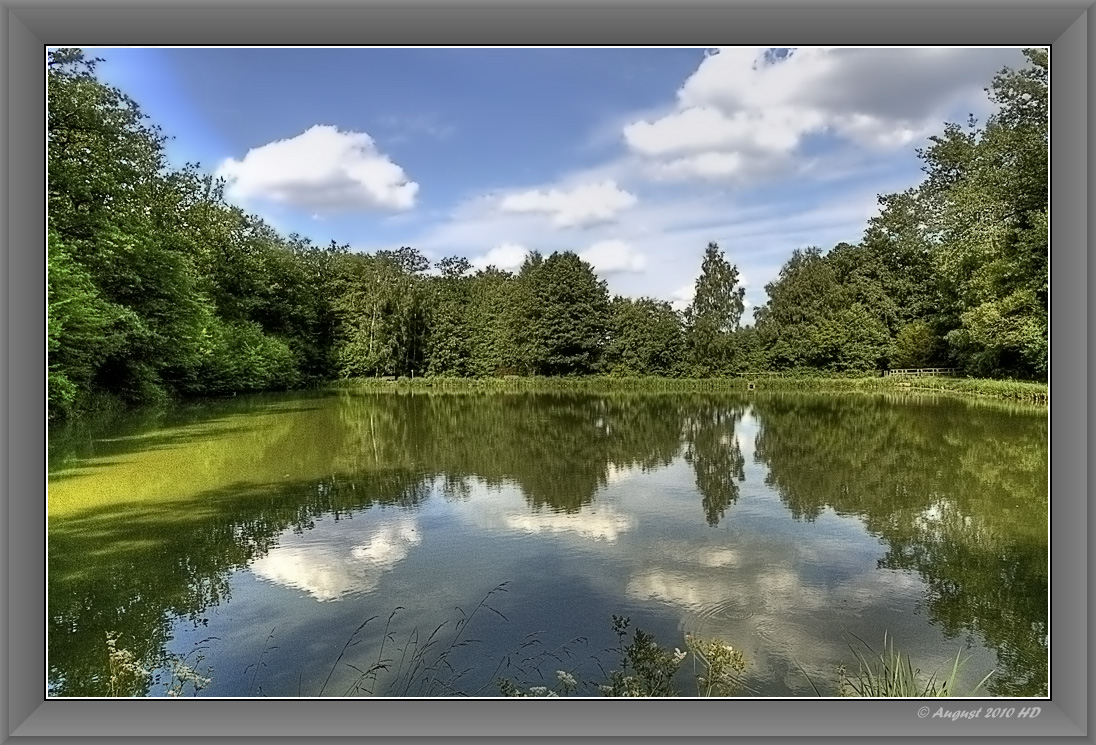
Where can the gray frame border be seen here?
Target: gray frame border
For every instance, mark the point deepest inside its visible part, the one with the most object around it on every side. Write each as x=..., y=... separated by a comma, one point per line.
x=25, y=27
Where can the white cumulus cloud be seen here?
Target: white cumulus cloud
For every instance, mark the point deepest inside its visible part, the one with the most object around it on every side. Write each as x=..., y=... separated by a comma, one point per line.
x=507, y=257
x=682, y=297
x=613, y=256
x=710, y=165
x=747, y=110
x=583, y=205
x=322, y=170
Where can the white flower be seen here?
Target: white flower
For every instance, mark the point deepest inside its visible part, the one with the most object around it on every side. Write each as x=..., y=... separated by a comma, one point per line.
x=679, y=656
x=566, y=679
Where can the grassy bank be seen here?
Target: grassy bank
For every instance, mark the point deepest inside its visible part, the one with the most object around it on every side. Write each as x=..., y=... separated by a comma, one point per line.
x=1001, y=389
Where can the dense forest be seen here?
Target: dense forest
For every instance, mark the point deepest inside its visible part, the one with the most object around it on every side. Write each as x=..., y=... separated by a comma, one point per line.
x=159, y=288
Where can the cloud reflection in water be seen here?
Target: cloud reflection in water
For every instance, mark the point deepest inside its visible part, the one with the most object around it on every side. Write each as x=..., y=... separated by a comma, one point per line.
x=332, y=561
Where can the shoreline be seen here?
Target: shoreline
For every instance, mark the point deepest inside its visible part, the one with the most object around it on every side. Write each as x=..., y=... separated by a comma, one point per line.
x=1021, y=391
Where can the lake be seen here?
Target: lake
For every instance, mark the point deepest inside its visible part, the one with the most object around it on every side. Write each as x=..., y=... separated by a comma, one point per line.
x=281, y=545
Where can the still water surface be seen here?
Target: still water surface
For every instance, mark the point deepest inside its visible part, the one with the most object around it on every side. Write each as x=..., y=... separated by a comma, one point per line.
x=253, y=536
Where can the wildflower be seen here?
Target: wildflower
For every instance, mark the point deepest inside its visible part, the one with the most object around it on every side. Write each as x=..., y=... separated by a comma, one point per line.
x=566, y=679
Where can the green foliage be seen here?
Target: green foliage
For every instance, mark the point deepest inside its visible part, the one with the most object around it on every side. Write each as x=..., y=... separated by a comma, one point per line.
x=560, y=316
x=129, y=676
x=719, y=301
x=450, y=345
x=565, y=685
x=646, y=669
x=893, y=263
x=645, y=338
x=721, y=665
x=986, y=200
x=81, y=328
x=492, y=336
x=159, y=288
x=814, y=319
x=243, y=358
x=103, y=158
x=383, y=306
x=914, y=346
x=714, y=315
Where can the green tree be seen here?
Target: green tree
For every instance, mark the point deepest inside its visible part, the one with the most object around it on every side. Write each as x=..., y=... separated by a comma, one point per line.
x=103, y=156
x=986, y=201
x=383, y=306
x=307, y=285
x=562, y=315
x=363, y=304
x=914, y=346
x=185, y=293
x=493, y=340
x=714, y=314
x=899, y=253
x=104, y=164
x=83, y=329
x=409, y=308
x=450, y=351
x=645, y=338
x=823, y=315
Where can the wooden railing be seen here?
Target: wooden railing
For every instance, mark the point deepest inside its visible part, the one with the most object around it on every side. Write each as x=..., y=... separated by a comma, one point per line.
x=917, y=372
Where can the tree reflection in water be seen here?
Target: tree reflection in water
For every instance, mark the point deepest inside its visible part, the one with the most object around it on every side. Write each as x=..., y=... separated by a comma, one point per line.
x=146, y=531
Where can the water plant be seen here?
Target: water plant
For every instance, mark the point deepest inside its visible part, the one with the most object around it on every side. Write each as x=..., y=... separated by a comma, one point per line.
x=889, y=674
x=720, y=665
x=184, y=671
x=646, y=669
x=565, y=685
x=643, y=669
x=128, y=677
x=418, y=667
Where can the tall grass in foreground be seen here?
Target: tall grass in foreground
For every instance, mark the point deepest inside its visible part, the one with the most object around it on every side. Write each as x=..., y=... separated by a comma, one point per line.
x=425, y=668
x=420, y=667
x=887, y=674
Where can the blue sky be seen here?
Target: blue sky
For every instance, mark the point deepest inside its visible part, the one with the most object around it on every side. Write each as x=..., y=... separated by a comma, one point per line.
x=634, y=158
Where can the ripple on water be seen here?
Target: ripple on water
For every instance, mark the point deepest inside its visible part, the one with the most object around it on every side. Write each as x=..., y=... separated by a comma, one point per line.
x=725, y=609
